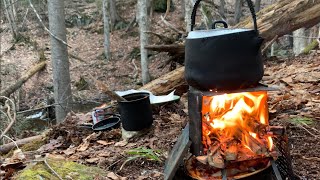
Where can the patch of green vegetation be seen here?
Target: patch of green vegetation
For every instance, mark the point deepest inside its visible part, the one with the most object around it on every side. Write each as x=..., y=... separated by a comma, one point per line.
x=90, y=1
x=65, y=169
x=130, y=33
x=42, y=57
x=161, y=6
x=120, y=25
x=25, y=39
x=310, y=47
x=301, y=120
x=142, y=152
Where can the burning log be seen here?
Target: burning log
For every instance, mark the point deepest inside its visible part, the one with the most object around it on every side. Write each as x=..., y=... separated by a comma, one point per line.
x=202, y=159
x=231, y=152
x=215, y=159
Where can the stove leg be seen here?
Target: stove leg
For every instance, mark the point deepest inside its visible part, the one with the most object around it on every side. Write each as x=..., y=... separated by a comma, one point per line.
x=224, y=174
x=276, y=170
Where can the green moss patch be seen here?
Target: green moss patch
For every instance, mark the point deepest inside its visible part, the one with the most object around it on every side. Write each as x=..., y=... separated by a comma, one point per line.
x=65, y=169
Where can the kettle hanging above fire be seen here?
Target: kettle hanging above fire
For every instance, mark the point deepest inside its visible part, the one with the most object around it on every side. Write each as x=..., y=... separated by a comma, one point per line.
x=225, y=58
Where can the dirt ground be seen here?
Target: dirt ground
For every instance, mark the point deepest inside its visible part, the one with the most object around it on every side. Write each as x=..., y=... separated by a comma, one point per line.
x=296, y=105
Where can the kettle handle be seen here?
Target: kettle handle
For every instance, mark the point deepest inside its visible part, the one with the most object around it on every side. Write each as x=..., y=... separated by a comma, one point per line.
x=250, y=5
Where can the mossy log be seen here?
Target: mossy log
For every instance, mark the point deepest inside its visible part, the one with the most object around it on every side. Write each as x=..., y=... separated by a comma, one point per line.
x=314, y=44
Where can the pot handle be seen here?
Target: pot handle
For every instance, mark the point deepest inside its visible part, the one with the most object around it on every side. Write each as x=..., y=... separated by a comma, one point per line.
x=225, y=25
x=250, y=5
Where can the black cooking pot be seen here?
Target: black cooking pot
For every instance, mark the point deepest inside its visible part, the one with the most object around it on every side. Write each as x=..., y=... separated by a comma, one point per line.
x=223, y=59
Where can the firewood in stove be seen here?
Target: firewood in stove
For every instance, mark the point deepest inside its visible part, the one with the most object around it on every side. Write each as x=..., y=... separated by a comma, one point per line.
x=202, y=159
x=276, y=130
x=231, y=152
x=216, y=159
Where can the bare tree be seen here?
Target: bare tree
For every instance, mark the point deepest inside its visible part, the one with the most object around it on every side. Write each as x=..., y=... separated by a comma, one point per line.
x=144, y=26
x=114, y=16
x=257, y=5
x=299, y=41
x=105, y=7
x=59, y=58
x=188, y=4
x=221, y=8
x=10, y=17
x=238, y=11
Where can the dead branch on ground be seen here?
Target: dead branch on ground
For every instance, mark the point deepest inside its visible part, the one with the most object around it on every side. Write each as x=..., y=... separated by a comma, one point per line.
x=11, y=118
x=32, y=71
x=7, y=147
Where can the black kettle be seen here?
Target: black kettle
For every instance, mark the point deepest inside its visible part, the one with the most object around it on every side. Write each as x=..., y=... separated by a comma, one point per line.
x=225, y=58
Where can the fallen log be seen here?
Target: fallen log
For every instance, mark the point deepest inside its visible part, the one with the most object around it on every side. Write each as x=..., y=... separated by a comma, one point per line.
x=32, y=71
x=166, y=83
x=7, y=147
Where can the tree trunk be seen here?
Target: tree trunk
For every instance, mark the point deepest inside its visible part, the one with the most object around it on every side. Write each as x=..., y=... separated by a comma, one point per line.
x=221, y=8
x=144, y=26
x=60, y=61
x=114, y=16
x=237, y=11
x=299, y=41
x=106, y=30
x=10, y=18
x=188, y=11
x=257, y=5
x=278, y=19
x=183, y=9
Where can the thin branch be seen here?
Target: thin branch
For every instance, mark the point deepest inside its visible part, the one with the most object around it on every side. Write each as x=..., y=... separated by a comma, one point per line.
x=171, y=26
x=269, y=44
x=44, y=26
x=52, y=170
x=308, y=131
x=12, y=119
x=12, y=141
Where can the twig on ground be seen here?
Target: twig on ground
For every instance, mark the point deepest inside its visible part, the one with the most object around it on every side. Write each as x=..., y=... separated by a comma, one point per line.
x=171, y=26
x=12, y=141
x=136, y=71
x=52, y=170
x=131, y=23
x=44, y=26
x=269, y=44
x=311, y=158
x=308, y=131
x=12, y=119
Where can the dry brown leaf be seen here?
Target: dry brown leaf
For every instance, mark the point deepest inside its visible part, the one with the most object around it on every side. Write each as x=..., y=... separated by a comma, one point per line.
x=55, y=156
x=84, y=146
x=121, y=143
x=113, y=176
x=92, y=160
x=142, y=177
x=104, y=154
x=105, y=143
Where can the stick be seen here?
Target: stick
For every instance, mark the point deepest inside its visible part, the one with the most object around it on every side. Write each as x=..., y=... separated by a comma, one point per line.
x=54, y=172
x=171, y=26
x=44, y=26
x=269, y=44
x=7, y=147
x=32, y=71
x=106, y=90
x=12, y=119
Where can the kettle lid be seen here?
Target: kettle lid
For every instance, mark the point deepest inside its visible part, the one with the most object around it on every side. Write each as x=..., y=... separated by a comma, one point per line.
x=213, y=32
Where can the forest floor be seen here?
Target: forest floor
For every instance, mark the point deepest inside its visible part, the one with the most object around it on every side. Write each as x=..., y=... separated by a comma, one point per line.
x=295, y=106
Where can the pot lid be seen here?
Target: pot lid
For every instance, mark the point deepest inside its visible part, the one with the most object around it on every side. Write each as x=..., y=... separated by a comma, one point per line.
x=213, y=32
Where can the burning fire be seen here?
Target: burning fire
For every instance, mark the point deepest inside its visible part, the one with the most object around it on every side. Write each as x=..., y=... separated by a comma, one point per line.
x=238, y=120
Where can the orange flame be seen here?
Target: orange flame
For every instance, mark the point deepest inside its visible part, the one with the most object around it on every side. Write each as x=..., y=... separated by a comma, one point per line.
x=236, y=116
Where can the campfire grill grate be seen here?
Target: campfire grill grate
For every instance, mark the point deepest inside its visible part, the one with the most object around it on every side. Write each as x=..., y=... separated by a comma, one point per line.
x=284, y=160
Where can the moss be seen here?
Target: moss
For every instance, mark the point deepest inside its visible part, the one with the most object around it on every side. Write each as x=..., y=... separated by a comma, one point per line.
x=310, y=47
x=32, y=146
x=66, y=169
